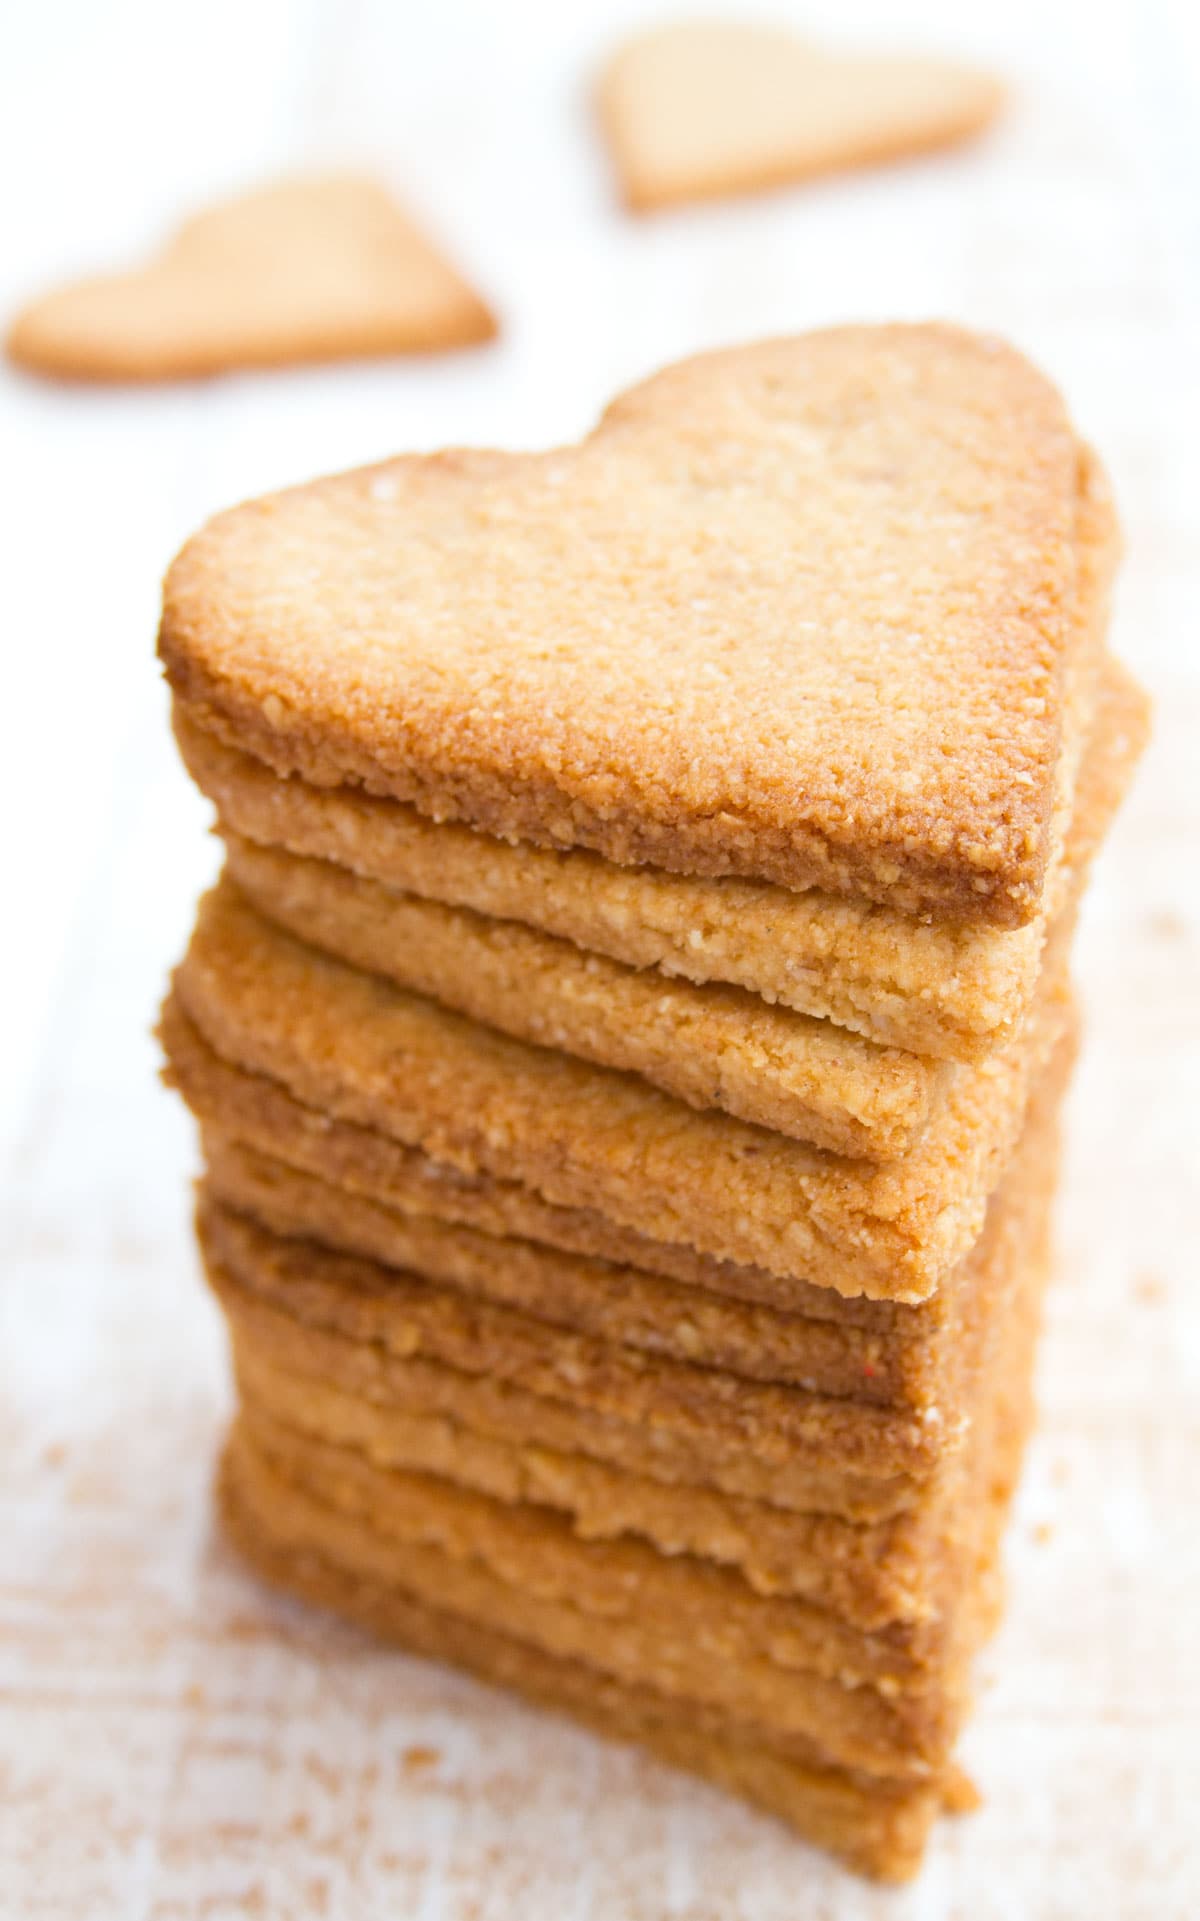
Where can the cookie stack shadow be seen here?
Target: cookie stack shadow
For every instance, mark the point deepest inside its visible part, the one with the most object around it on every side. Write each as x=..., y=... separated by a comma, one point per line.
x=632, y=1239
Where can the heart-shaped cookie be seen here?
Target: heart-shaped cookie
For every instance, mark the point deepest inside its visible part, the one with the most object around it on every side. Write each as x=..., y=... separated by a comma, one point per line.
x=697, y=112
x=305, y=271
x=800, y=612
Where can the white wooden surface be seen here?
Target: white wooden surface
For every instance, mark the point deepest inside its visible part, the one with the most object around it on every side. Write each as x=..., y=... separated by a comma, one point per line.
x=172, y=1742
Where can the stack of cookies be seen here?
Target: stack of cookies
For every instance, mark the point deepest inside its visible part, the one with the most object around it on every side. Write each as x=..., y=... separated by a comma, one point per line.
x=629, y=1033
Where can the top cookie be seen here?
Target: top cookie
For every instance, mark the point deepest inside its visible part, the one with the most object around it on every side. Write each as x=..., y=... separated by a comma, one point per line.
x=799, y=611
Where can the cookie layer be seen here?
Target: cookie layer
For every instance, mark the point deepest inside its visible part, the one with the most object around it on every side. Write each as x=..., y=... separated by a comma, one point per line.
x=946, y=990
x=800, y=612
x=910, y=1359
x=254, y=1109
x=886, y=1577
x=694, y=1632
x=712, y=1047
x=421, y=1389
x=879, y=1830
x=364, y=1051
x=289, y=1289
x=394, y=1312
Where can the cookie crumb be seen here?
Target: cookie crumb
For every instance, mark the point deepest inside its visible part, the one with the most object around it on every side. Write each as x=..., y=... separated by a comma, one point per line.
x=959, y=1794
x=1166, y=924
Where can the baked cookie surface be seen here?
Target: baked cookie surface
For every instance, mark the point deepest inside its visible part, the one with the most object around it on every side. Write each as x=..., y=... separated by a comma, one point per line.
x=364, y=1051
x=801, y=612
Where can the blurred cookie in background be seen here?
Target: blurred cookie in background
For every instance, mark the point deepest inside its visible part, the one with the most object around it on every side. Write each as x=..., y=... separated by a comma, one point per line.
x=309, y=270
x=703, y=111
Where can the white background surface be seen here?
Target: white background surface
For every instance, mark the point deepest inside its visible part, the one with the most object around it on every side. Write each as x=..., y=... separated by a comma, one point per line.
x=172, y=1743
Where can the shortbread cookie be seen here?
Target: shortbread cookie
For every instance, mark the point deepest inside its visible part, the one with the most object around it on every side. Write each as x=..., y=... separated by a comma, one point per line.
x=389, y=1311
x=803, y=612
x=798, y=1710
x=914, y=1360
x=942, y=989
x=879, y=1829
x=361, y=1050
x=594, y=1298
x=866, y=1569
x=257, y=1112
x=397, y=1312
x=517, y=1416
x=712, y=1046
x=534, y=1549
x=674, y=1623
x=893, y=1578
x=321, y=269
x=883, y=1575
x=700, y=111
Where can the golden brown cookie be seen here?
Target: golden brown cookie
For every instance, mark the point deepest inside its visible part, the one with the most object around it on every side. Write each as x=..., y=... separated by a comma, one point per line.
x=361, y=1050
x=389, y=1311
x=945, y=990
x=700, y=111
x=419, y=1392
x=309, y=270
x=711, y=1046
x=878, y=1828
x=893, y=1577
x=903, y=1357
x=255, y=1109
x=804, y=612
x=799, y=1710
x=886, y=1575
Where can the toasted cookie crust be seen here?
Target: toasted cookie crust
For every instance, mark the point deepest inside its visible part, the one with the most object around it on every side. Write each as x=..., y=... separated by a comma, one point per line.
x=364, y=1051
x=878, y=1830
x=800, y=612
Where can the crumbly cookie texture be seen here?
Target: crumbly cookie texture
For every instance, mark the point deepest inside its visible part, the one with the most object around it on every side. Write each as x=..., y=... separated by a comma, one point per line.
x=711, y=1046
x=884, y=1575
x=888, y=1574
x=332, y=1517
x=879, y=1829
x=806, y=1681
x=696, y=1632
x=365, y=1051
x=944, y=990
x=648, y=1313
x=451, y=1311
x=394, y=1312
x=309, y=270
x=404, y=1387
x=801, y=612
x=701, y=111
x=256, y=1109
x=916, y=1359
